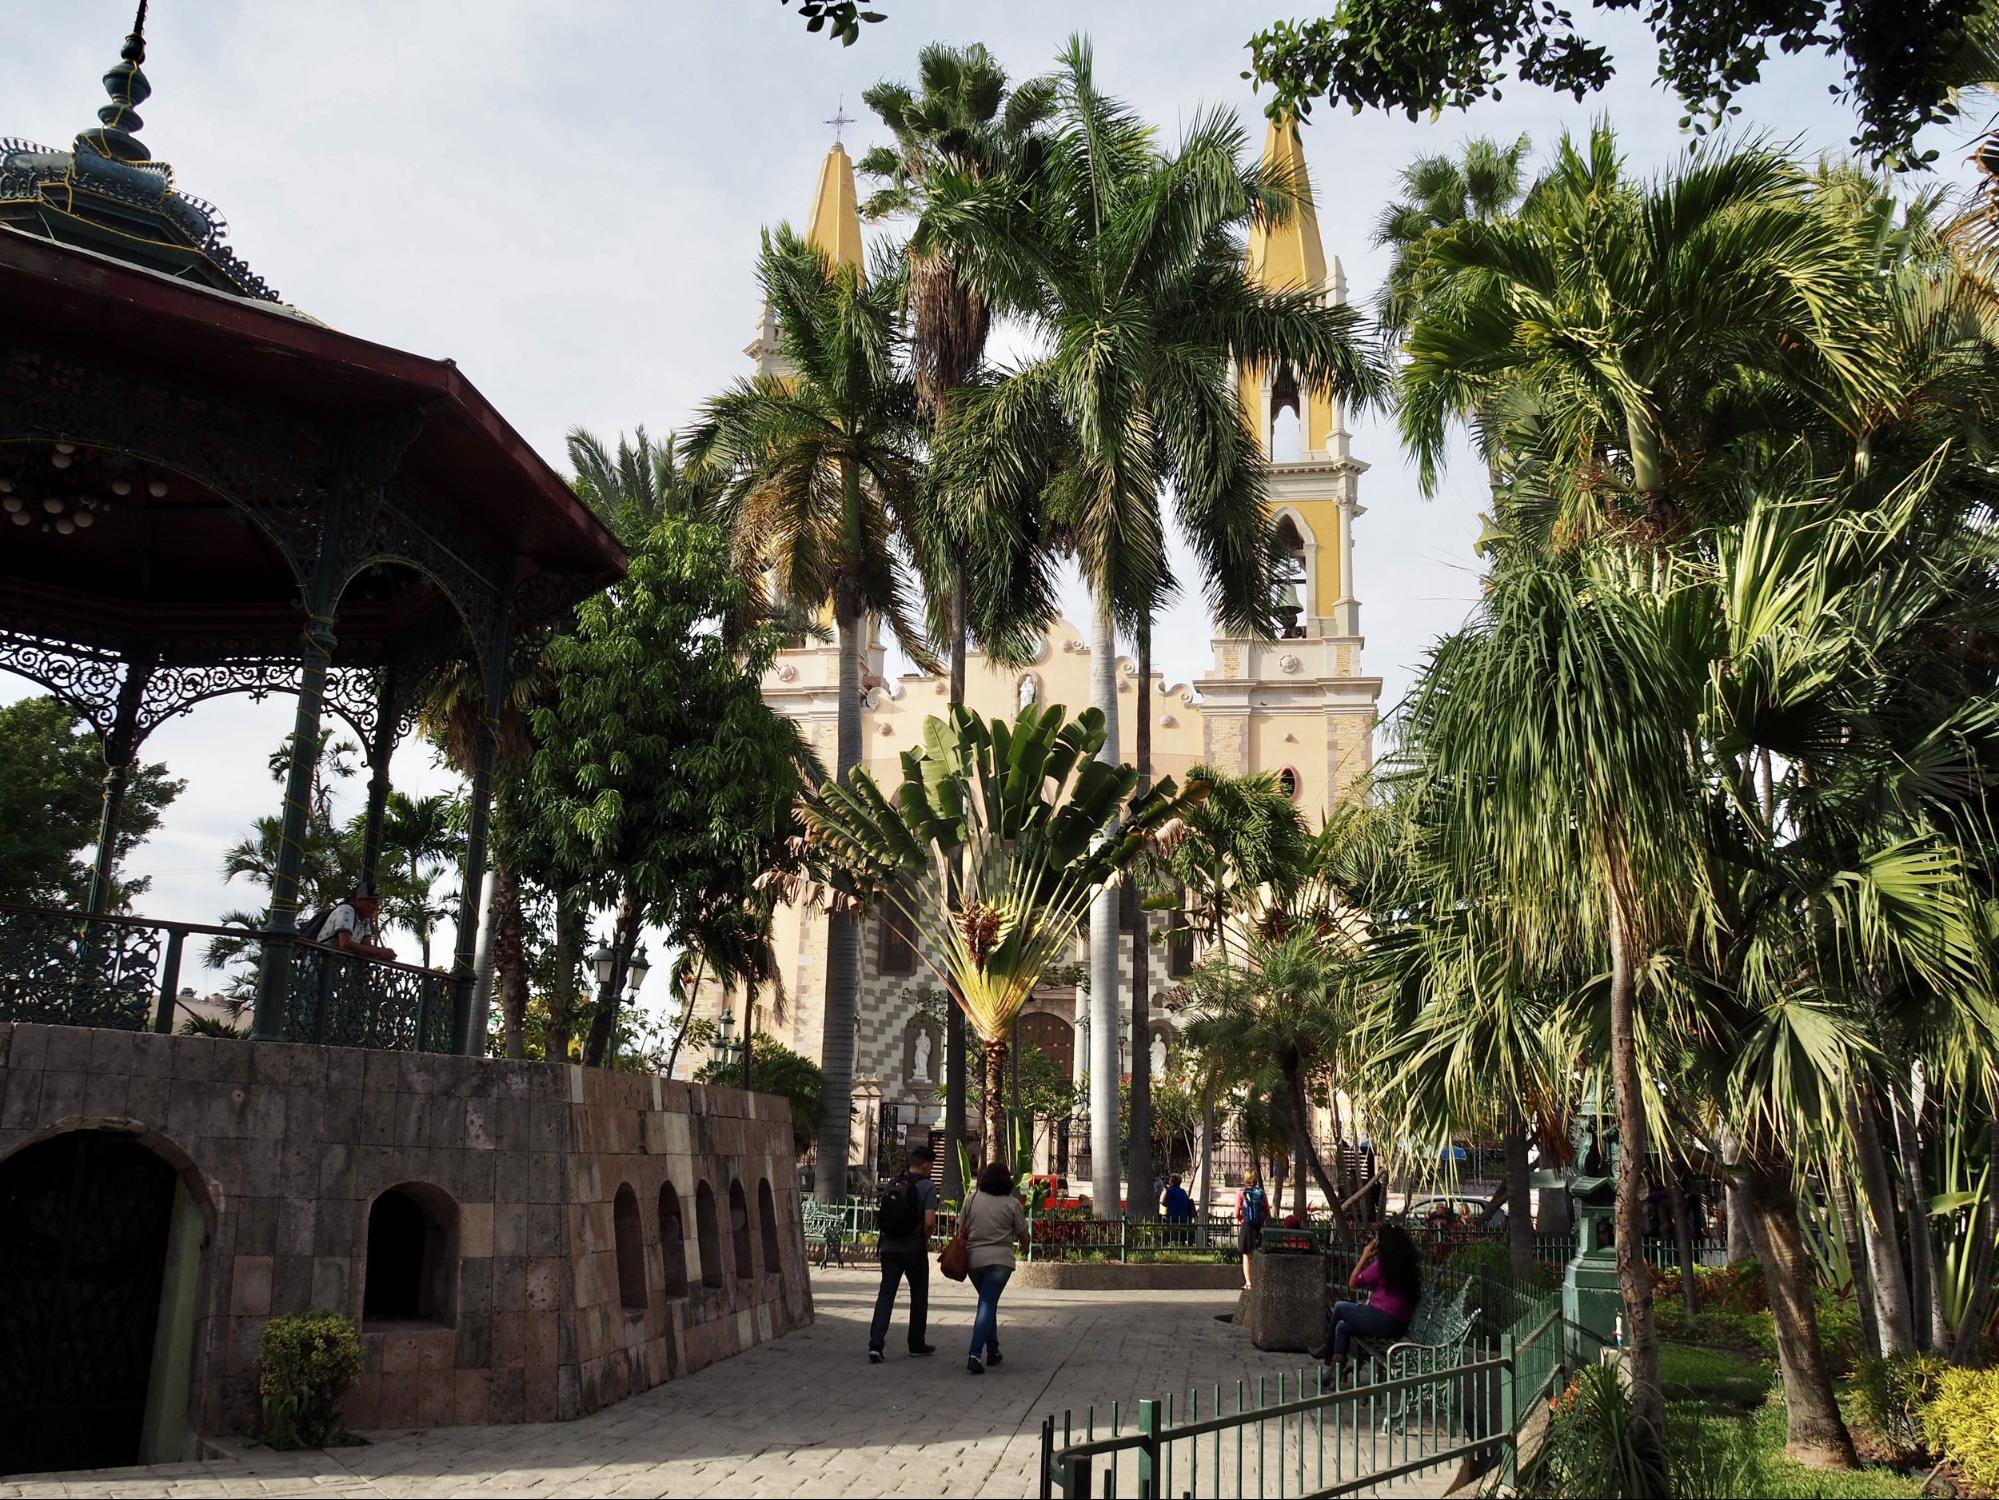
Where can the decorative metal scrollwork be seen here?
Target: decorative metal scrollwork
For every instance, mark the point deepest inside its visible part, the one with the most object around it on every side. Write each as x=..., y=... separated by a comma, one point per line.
x=345, y=1001
x=88, y=680
x=277, y=469
x=61, y=969
x=351, y=692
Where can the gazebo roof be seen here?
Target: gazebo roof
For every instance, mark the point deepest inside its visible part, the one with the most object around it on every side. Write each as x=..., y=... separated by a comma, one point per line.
x=235, y=359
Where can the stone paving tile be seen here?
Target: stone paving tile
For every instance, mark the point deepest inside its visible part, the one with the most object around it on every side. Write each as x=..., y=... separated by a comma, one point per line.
x=802, y=1415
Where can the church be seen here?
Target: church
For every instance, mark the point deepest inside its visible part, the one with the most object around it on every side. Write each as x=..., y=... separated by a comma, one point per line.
x=1298, y=707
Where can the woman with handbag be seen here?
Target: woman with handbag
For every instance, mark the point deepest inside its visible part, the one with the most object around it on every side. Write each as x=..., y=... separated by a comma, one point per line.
x=990, y=1223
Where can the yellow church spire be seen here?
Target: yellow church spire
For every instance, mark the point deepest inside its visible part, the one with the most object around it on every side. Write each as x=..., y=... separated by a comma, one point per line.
x=1288, y=256
x=835, y=226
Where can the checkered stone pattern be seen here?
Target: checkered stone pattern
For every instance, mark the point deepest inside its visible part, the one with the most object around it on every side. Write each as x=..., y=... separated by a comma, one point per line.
x=285, y=1149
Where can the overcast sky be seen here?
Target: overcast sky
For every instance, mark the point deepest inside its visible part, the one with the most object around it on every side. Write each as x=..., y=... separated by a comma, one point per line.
x=565, y=199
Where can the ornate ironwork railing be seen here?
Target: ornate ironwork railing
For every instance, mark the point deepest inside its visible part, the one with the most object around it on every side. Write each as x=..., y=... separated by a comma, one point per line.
x=72, y=968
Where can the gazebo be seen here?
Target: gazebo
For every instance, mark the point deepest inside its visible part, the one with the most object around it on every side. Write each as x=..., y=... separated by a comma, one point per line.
x=204, y=491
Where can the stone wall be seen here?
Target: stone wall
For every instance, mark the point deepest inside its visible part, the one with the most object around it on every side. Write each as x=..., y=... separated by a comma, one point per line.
x=287, y=1150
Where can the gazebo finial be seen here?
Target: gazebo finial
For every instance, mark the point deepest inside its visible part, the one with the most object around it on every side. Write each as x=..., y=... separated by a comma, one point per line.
x=117, y=134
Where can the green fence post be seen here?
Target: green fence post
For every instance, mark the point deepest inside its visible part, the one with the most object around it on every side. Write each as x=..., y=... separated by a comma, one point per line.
x=1148, y=1456
x=1075, y=1477
x=1123, y=1238
x=1509, y=1451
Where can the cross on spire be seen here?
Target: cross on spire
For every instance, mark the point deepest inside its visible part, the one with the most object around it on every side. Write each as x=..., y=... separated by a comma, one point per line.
x=840, y=121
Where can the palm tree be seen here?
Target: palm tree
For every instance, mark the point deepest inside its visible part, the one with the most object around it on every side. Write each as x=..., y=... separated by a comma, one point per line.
x=1485, y=183
x=422, y=836
x=821, y=480
x=637, y=485
x=962, y=136
x=1147, y=311
x=1624, y=308
x=1041, y=824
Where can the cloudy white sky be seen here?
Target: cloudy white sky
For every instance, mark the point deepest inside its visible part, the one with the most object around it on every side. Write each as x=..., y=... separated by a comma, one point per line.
x=566, y=199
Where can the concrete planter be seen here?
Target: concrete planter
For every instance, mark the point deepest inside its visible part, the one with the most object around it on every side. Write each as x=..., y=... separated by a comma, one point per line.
x=1068, y=1276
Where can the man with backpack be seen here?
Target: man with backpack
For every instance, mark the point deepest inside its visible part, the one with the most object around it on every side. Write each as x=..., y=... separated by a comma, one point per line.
x=906, y=1220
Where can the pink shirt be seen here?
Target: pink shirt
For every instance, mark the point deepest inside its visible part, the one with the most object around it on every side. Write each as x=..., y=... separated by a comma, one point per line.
x=1396, y=1304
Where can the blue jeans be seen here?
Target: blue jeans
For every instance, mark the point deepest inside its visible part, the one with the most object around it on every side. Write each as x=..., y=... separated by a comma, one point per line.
x=990, y=1281
x=1350, y=1318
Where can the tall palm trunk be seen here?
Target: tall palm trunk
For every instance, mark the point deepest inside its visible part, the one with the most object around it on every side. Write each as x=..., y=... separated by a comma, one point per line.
x=1814, y=1432
x=955, y=1059
x=997, y=1143
x=510, y=965
x=1841, y=1192
x=1144, y=1204
x=1104, y=930
x=1648, y=1402
x=1925, y=1302
x=569, y=927
x=1735, y=1198
x=1519, y=1196
x=1877, y=1227
x=843, y=938
x=1683, y=1243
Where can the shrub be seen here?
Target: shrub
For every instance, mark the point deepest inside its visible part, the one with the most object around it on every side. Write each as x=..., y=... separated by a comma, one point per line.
x=1839, y=1328
x=305, y=1364
x=1595, y=1447
x=1892, y=1393
x=1961, y=1424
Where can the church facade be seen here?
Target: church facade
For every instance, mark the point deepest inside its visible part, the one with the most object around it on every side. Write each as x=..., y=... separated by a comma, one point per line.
x=1298, y=707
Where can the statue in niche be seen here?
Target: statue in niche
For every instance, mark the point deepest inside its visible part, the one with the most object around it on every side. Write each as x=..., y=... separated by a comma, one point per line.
x=1158, y=1055
x=1029, y=693
x=920, y=1072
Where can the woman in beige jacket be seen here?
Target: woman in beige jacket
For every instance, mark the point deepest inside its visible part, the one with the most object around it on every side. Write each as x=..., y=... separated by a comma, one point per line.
x=992, y=1224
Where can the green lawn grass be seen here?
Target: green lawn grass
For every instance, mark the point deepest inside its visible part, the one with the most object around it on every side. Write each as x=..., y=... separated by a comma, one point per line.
x=1724, y=1377
x=1721, y=1450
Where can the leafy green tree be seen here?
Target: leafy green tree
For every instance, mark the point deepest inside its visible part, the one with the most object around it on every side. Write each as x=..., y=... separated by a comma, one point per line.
x=774, y=1069
x=822, y=485
x=643, y=481
x=51, y=779
x=1148, y=313
x=659, y=781
x=1042, y=825
x=1902, y=65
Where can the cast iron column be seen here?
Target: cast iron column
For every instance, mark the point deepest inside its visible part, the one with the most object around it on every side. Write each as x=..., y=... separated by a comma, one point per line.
x=480, y=799
x=274, y=972
x=121, y=749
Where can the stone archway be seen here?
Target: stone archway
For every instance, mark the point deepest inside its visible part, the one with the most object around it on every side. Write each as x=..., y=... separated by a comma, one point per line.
x=87, y=1222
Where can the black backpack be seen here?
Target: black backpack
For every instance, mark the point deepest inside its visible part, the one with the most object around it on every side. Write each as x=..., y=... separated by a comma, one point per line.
x=310, y=922
x=900, y=1213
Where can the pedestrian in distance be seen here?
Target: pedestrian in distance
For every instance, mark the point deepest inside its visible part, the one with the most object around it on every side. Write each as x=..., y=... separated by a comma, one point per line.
x=906, y=1219
x=993, y=1224
x=1179, y=1207
x=1252, y=1211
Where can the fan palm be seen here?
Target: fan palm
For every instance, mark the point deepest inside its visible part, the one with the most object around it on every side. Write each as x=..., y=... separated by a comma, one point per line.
x=1041, y=825
x=821, y=484
x=1147, y=312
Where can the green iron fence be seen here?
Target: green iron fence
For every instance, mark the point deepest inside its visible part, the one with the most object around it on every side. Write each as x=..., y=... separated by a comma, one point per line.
x=1319, y=1432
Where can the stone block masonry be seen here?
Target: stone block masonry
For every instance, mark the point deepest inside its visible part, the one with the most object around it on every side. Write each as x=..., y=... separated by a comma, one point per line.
x=518, y=1242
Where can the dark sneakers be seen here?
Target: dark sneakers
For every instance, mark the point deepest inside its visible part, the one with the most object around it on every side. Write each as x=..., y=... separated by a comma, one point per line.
x=874, y=1356
x=994, y=1358
x=920, y=1352
x=972, y=1365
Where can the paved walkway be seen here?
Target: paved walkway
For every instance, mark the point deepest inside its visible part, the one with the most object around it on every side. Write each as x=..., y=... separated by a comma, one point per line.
x=803, y=1415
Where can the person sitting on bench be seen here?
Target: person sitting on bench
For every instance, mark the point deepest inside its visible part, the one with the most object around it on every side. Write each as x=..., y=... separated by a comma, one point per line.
x=1391, y=1273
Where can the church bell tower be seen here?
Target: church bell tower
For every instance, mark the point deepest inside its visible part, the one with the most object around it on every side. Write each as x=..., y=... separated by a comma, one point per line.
x=1297, y=706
